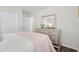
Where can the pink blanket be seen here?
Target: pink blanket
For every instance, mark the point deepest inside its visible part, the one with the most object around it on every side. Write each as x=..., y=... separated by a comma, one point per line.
x=41, y=42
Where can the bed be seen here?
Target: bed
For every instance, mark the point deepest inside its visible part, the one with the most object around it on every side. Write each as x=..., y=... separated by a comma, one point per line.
x=26, y=42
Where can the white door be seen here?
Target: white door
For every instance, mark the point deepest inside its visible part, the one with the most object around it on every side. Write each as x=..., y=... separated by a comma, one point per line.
x=28, y=23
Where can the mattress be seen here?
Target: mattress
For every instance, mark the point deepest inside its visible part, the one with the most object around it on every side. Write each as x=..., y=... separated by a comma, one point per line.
x=15, y=43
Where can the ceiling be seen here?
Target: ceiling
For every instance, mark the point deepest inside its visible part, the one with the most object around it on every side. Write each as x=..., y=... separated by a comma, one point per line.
x=30, y=9
x=33, y=9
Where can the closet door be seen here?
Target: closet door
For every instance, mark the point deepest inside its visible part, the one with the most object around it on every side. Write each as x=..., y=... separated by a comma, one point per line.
x=27, y=24
x=9, y=21
x=0, y=29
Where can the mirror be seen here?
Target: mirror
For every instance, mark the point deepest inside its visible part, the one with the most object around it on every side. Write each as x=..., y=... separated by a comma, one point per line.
x=48, y=21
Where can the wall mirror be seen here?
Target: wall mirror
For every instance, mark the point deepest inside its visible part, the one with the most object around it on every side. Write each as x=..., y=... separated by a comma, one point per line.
x=48, y=21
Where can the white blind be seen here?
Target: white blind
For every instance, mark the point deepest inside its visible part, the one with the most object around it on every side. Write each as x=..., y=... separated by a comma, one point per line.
x=9, y=21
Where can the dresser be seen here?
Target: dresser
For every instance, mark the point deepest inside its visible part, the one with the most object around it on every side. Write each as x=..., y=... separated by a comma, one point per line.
x=54, y=35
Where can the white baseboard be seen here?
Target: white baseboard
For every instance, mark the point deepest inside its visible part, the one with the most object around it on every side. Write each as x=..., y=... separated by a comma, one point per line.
x=70, y=47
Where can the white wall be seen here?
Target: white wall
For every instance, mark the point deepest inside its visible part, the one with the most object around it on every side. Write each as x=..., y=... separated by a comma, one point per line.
x=67, y=20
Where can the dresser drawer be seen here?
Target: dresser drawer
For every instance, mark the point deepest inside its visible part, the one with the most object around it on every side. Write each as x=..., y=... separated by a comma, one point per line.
x=53, y=39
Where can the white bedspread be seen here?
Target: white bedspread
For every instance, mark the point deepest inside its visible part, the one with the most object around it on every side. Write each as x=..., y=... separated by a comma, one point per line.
x=15, y=43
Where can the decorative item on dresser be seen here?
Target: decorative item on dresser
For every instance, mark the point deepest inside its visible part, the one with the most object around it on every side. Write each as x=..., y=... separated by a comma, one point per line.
x=54, y=35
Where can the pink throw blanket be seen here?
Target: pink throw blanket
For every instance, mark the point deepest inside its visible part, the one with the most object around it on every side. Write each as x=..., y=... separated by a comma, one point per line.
x=41, y=42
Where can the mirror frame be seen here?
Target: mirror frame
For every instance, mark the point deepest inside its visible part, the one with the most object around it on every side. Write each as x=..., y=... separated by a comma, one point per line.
x=46, y=16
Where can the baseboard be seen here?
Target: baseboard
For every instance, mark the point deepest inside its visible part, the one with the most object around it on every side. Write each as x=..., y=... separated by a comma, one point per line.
x=70, y=48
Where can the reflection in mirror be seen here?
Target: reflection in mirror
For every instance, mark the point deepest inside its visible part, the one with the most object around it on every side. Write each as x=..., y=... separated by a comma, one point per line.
x=48, y=21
